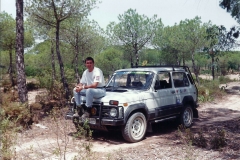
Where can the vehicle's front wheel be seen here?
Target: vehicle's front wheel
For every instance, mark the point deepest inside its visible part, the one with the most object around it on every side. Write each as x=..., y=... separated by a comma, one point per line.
x=135, y=128
x=186, y=117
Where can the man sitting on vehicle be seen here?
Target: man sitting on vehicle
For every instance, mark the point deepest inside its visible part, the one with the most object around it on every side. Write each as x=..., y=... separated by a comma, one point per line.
x=92, y=84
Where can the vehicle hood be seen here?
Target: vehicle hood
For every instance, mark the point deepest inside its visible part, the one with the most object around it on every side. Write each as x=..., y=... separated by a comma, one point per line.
x=123, y=97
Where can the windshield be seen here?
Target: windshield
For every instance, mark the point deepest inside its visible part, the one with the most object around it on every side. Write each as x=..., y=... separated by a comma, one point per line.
x=139, y=80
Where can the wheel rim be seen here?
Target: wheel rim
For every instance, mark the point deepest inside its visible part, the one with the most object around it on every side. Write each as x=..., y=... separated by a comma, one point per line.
x=137, y=129
x=187, y=117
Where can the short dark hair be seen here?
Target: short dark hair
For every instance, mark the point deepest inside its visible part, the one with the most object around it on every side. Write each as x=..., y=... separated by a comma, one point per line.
x=89, y=59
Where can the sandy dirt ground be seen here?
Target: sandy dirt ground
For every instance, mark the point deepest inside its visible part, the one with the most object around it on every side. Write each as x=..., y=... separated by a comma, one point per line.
x=55, y=138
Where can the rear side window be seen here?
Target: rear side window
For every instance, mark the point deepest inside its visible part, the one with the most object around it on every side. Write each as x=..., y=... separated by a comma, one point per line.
x=163, y=81
x=180, y=79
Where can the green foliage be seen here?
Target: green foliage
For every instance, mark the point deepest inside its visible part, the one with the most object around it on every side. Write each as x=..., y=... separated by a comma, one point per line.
x=57, y=92
x=83, y=131
x=45, y=80
x=203, y=94
x=224, y=80
x=18, y=112
x=13, y=116
x=55, y=88
x=209, y=89
x=69, y=73
x=133, y=31
x=151, y=56
x=32, y=71
x=109, y=60
x=7, y=136
x=8, y=33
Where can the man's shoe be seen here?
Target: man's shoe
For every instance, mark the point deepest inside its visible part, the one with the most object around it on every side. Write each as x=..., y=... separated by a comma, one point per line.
x=85, y=114
x=76, y=115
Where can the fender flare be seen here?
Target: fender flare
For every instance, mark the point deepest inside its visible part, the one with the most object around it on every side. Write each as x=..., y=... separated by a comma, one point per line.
x=135, y=107
x=188, y=100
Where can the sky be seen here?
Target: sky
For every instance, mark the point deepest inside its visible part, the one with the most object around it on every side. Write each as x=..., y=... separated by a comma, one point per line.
x=170, y=11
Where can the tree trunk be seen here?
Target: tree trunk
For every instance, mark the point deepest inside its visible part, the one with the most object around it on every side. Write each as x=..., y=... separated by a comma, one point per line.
x=213, y=73
x=76, y=60
x=184, y=59
x=63, y=79
x=177, y=58
x=53, y=61
x=76, y=64
x=11, y=68
x=195, y=70
x=136, y=54
x=21, y=77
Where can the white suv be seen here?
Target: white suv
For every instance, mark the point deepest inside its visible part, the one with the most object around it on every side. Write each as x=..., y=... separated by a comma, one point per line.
x=138, y=97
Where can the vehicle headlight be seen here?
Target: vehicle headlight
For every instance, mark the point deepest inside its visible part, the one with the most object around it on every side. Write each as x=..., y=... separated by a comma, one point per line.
x=113, y=112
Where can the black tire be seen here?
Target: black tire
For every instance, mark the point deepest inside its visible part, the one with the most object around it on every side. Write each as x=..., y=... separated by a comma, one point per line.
x=186, y=117
x=135, y=128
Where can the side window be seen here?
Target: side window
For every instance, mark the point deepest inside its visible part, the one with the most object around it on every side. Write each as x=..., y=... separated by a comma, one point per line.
x=180, y=79
x=163, y=81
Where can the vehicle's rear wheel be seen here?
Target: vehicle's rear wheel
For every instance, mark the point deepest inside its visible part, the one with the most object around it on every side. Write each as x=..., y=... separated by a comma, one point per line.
x=135, y=128
x=186, y=117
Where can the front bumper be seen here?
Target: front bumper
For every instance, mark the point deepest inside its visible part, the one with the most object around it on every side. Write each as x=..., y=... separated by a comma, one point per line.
x=99, y=122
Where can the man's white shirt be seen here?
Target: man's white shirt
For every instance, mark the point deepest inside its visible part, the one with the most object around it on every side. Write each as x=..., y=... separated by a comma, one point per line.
x=95, y=76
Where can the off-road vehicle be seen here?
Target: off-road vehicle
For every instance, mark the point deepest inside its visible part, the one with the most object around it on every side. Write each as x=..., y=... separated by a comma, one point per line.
x=140, y=96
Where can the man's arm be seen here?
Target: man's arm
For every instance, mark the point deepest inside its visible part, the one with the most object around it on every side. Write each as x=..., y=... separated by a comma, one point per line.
x=94, y=85
x=79, y=87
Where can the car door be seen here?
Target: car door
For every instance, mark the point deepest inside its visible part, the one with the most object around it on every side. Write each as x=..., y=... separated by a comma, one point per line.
x=181, y=84
x=165, y=93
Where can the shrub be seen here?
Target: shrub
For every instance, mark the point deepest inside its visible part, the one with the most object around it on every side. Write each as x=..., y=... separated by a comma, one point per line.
x=13, y=116
x=199, y=140
x=45, y=81
x=57, y=91
x=30, y=71
x=223, y=79
x=7, y=136
x=209, y=89
x=190, y=138
x=15, y=110
x=6, y=82
x=203, y=94
x=218, y=139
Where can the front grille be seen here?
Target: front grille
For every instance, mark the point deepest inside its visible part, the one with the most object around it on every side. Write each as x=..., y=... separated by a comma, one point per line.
x=105, y=111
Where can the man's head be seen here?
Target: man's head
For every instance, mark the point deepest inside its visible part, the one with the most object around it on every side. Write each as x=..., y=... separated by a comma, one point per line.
x=89, y=62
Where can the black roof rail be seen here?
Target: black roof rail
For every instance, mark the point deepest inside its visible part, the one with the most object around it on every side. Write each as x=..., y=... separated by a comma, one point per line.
x=158, y=66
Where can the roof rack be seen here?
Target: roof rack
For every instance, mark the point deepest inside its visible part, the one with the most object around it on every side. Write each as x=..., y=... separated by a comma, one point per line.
x=186, y=68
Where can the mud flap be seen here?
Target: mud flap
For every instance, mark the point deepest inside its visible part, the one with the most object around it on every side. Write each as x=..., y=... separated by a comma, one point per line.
x=149, y=127
x=195, y=113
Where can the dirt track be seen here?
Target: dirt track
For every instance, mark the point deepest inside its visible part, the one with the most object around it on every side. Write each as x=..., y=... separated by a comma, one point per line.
x=50, y=138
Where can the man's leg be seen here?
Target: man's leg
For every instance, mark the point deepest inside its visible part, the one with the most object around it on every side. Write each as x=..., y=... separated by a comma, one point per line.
x=90, y=94
x=77, y=97
x=94, y=93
